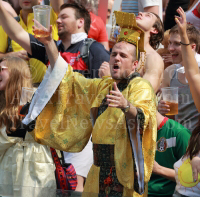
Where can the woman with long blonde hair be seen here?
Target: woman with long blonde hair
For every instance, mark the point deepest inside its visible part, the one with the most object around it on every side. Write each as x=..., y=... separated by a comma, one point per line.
x=26, y=167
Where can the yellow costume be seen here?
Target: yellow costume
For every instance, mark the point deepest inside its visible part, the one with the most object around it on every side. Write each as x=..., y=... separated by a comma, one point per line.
x=70, y=109
x=65, y=123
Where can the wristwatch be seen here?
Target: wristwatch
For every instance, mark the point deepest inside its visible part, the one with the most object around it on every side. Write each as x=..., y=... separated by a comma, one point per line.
x=126, y=109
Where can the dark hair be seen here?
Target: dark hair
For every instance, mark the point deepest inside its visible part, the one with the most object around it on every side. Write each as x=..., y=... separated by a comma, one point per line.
x=156, y=39
x=80, y=12
x=192, y=33
x=194, y=143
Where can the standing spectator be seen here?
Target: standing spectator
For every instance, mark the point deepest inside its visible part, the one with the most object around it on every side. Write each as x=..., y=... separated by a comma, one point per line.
x=151, y=24
x=9, y=47
x=187, y=168
x=150, y=69
x=97, y=27
x=113, y=172
x=173, y=77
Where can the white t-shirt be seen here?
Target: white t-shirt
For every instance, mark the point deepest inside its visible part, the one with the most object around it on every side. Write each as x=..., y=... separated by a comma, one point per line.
x=147, y=3
x=184, y=179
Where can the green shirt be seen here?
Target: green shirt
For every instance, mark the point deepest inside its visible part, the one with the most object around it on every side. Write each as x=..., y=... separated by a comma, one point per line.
x=172, y=141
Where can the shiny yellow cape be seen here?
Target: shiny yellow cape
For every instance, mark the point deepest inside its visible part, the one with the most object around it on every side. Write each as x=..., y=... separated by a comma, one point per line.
x=65, y=123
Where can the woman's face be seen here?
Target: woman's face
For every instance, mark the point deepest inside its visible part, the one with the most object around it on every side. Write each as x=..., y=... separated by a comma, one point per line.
x=4, y=75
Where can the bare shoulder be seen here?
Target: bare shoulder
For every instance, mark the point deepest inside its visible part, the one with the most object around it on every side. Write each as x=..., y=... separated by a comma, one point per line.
x=154, y=60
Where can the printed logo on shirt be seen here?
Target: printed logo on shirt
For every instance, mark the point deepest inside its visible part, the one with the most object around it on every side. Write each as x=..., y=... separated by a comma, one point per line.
x=162, y=144
x=72, y=60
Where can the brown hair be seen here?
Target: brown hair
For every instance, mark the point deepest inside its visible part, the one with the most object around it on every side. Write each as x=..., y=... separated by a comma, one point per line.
x=192, y=33
x=194, y=143
x=80, y=12
x=156, y=39
x=19, y=76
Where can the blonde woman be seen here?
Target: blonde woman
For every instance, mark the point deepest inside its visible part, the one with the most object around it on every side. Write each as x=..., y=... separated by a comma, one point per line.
x=26, y=167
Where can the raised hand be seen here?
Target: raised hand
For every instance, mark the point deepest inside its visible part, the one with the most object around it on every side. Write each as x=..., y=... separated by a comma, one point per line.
x=104, y=69
x=45, y=39
x=116, y=99
x=181, y=21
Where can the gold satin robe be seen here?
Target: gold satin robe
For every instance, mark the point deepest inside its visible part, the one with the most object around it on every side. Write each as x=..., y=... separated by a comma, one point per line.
x=68, y=120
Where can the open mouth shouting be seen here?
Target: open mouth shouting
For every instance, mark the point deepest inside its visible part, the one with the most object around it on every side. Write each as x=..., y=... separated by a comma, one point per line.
x=115, y=67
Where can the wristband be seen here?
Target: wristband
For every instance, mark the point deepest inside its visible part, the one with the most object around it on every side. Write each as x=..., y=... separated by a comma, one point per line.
x=184, y=44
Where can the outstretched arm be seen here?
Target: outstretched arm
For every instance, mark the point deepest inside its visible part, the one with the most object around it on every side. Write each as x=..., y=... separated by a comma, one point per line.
x=189, y=61
x=49, y=44
x=14, y=29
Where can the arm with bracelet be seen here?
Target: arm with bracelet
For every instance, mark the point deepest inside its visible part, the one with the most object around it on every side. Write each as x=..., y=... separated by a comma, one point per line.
x=189, y=61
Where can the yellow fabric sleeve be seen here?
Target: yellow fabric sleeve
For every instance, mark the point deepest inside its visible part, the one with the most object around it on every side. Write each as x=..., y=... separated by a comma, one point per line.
x=65, y=121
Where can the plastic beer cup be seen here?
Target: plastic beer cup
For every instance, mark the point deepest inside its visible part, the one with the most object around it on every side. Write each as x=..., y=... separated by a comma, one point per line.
x=41, y=20
x=170, y=96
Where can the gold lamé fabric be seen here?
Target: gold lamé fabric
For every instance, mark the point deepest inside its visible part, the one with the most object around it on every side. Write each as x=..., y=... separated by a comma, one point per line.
x=68, y=120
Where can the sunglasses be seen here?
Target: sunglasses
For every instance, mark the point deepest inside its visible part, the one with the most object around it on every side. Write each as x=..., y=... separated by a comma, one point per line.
x=2, y=68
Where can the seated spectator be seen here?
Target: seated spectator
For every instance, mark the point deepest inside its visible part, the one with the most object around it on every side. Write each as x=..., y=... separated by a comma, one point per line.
x=172, y=141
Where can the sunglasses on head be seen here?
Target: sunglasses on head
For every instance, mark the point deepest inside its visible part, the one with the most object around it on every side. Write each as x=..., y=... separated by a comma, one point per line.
x=3, y=68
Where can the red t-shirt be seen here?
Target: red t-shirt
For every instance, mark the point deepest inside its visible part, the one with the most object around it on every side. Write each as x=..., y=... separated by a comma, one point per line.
x=97, y=29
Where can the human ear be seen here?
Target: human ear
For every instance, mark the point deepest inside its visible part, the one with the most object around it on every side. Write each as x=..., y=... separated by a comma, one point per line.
x=153, y=30
x=193, y=45
x=80, y=22
x=135, y=63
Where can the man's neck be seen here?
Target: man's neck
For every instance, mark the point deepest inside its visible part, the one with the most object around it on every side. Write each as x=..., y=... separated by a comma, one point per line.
x=147, y=46
x=24, y=15
x=66, y=41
